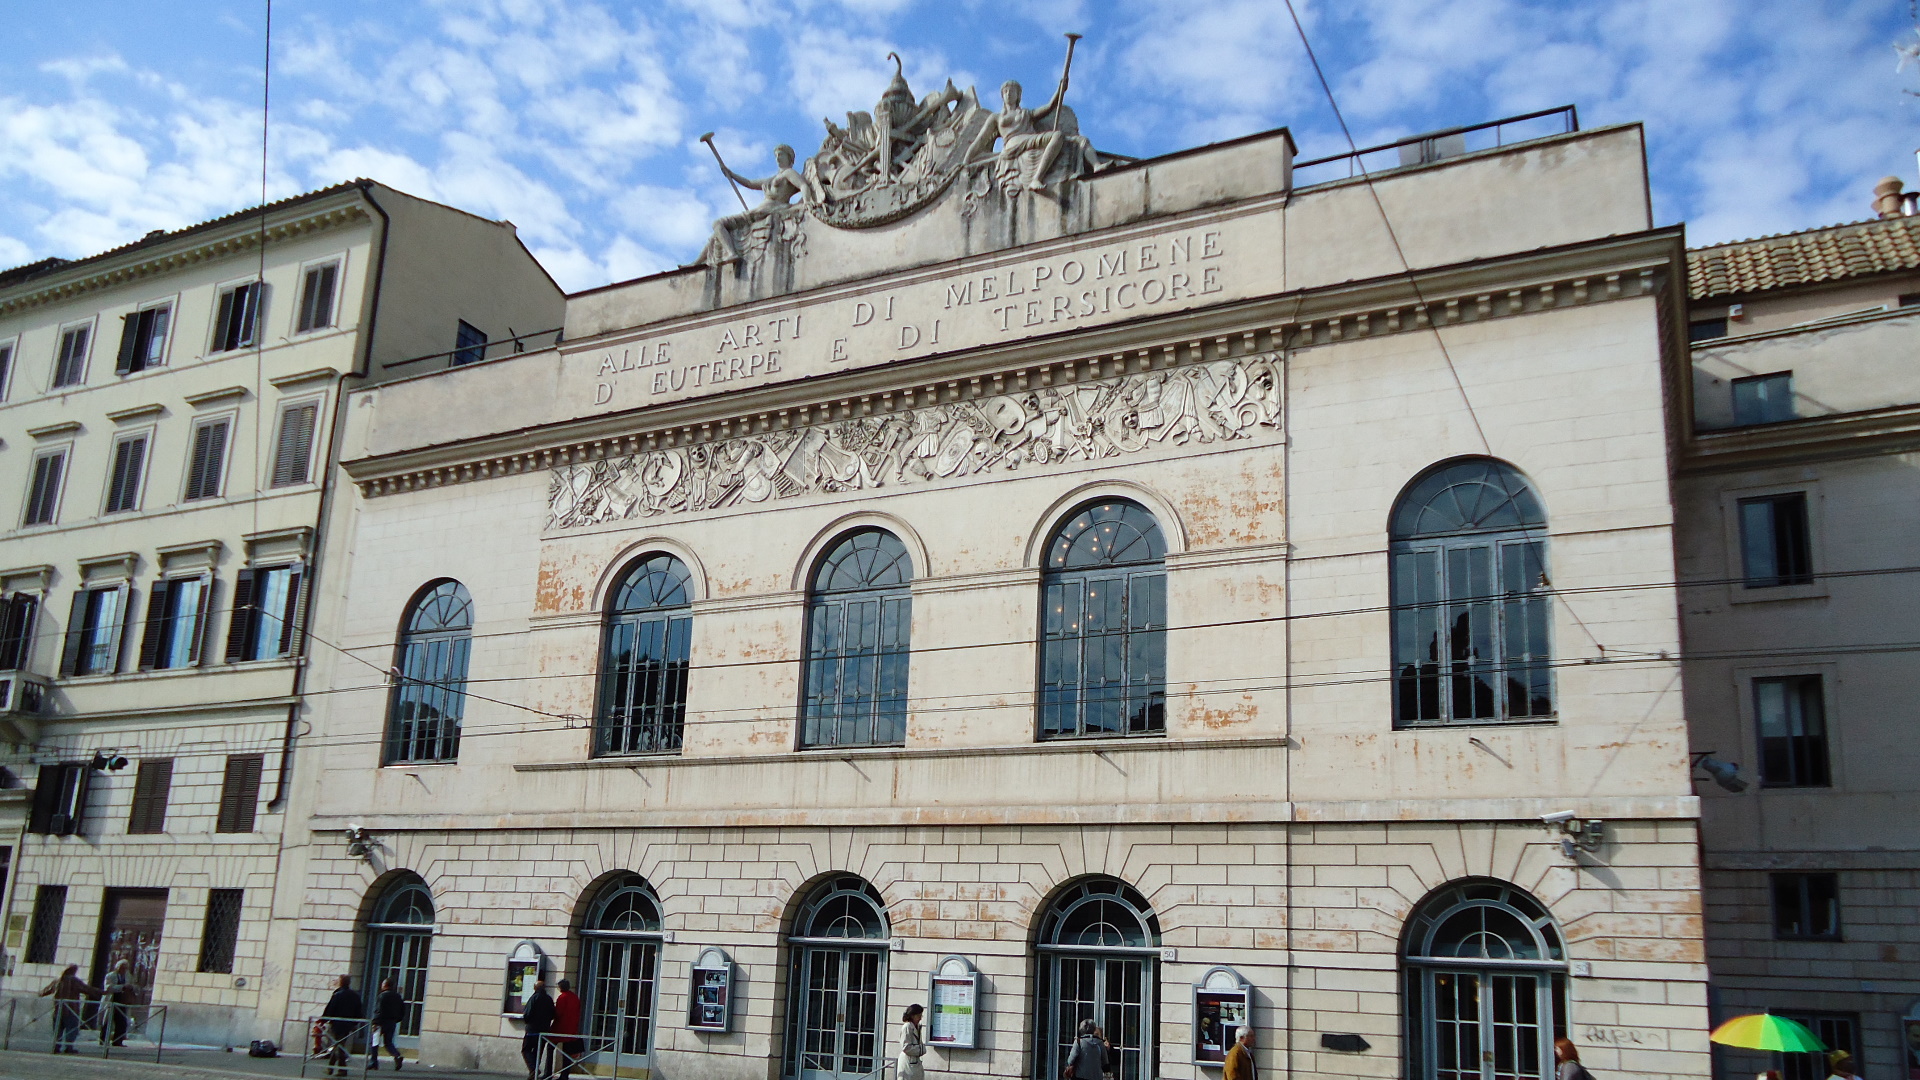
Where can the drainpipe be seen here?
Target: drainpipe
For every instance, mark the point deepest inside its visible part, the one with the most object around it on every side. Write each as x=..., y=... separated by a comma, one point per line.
x=365, y=364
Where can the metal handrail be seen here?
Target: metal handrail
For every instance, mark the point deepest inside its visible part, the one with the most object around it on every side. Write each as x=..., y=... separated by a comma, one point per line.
x=551, y=1054
x=106, y=1009
x=329, y=1041
x=518, y=341
x=1569, y=113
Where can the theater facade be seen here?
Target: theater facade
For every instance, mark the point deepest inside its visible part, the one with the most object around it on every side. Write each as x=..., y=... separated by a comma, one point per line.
x=1177, y=593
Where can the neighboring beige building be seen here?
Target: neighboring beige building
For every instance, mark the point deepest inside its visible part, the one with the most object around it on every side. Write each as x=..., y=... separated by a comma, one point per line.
x=167, y=426
x=1799, y=534
x=1109, y=583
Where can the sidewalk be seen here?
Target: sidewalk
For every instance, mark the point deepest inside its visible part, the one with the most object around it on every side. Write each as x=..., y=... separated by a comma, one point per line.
x=136, y=1061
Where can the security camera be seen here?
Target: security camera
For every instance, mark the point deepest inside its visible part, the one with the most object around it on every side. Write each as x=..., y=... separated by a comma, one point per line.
x=1558, y=817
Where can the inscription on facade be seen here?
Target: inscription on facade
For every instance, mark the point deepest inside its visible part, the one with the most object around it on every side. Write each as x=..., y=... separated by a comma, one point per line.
x=1047, y=425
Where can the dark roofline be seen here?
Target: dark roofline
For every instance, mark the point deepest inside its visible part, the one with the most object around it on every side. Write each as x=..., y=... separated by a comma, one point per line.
x=31, y=270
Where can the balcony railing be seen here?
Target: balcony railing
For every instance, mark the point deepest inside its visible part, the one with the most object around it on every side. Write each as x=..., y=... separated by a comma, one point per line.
x=1434, y=146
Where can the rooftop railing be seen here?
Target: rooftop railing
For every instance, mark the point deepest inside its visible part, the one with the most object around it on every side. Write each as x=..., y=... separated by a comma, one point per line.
x=1432, y=146
x=511, y=345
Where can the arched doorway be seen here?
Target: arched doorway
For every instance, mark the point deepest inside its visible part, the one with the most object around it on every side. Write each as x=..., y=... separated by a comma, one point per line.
x=838, y=982
x=1485, y=984
x=1097, y=950
x=399, y=943
x=620, y=953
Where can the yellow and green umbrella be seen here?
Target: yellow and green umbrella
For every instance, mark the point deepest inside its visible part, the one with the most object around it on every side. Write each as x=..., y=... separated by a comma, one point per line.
x=1764, y=1031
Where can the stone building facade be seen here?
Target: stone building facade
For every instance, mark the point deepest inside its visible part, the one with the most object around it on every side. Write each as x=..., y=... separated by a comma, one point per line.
x=1797, y=540
x=1155, y=585
x=167, y=426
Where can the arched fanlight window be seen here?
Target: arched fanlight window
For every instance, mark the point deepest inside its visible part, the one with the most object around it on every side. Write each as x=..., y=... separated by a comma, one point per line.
x=1098, y=946
x=1471, y=605
x=1103, y=663
x=400, y=946
x=1485, y=973
x=643, y=659
x=428, y=699
x=843, y=907
x=859, y=621
x=620, y=946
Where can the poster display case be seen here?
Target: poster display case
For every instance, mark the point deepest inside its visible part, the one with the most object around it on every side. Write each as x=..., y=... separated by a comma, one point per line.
x=710, y=998
x=525, y=966
x=953, y=1010
x=1222, y=1005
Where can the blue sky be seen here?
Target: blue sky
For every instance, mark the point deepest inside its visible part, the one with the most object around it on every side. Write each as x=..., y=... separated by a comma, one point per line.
x=580, y=120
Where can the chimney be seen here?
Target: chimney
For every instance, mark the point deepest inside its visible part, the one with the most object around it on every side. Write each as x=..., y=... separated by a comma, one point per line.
x=1887, y=200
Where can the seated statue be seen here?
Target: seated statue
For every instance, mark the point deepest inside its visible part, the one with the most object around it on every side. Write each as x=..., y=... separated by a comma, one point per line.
x=780, y=188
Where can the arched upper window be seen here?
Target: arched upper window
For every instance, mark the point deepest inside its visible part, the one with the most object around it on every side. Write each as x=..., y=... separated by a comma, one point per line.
x=406, y=903
x=1485, y=984
x=624, y=905
x=843, y=907
x=1471, y=605
x=859, y=620
x=428, y=700
x=1098, y=947
x=1100, y=912
x=1103, y=663
x=643, y=659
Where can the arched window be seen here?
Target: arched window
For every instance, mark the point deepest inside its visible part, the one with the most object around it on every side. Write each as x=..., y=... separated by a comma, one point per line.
x=620, y=947
x=643, y=660
x=1098, y=945
x=1485, y=985
x=836, y=988
x=859, y=618
x=1470, y=598
x=1103, y=662
x=399, y=946
x=424, y=712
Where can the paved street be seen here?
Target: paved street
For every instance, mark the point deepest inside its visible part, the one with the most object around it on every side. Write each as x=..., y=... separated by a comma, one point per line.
x=198, y=1064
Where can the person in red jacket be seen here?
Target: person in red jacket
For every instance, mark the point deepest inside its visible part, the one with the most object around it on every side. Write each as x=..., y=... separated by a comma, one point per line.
x=566, y=1024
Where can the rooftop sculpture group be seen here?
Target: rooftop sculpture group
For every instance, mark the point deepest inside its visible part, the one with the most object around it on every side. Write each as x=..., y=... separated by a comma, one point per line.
x=889, y=163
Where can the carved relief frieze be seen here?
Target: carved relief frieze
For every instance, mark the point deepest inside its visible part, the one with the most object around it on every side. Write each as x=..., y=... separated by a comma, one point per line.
x=1039, y=427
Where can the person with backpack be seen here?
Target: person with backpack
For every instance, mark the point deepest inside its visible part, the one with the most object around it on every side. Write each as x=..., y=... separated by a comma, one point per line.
x=1568, y=1057
x=1088, y=1061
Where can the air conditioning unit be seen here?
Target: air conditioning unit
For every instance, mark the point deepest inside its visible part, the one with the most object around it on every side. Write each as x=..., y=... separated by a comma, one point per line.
x=24, y=699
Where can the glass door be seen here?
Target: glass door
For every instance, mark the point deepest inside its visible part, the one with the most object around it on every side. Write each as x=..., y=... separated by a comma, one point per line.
x=401, y=955
x=620, y=993
x=1114, y=992
x=840, y=1013
x=1486, y=1025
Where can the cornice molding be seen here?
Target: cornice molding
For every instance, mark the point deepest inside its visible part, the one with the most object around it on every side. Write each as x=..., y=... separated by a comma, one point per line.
x=145, y=264
x=135, y=413
x=1825, y=438
x=222, y=394
x=1595, y=272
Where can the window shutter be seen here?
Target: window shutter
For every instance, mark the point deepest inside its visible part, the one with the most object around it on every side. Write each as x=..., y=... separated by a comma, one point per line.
x=158, y=624
x=16, y=633
x=240, y=625
x=129, y=342
x=223, y=322
x=46, y=793
x=209, y=455
x=240, y=793
x=293, y=451
x=69, y=811
x=123, y=487
x=120, y=631
x=290, y=616
x=9, y=636
x=150, y=791
x=76, y=634
x=196, y=640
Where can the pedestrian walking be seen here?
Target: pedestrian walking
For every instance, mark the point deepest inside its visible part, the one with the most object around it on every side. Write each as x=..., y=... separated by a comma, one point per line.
x=117, y=989
x=1239, y=1065
x=1110, y=1060
x=566, y=1022
x=388, y=1010
x=537, y=1018
x=69, y=992
x=1088, y=1059
x=345, y=1013
x=1568, y=1058
x=1840, y=1066
x=912, y=1046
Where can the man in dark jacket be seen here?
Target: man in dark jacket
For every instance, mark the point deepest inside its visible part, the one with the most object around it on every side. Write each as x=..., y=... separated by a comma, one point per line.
x=538, y=1018
x=344, y=1015
x=388, y=1010
x=566, y=1021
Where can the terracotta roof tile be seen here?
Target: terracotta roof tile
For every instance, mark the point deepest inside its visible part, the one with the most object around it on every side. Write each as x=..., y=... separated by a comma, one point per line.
x=1832, y=253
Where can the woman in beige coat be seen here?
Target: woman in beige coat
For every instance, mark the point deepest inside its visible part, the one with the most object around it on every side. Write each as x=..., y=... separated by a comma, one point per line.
x=912, y=1046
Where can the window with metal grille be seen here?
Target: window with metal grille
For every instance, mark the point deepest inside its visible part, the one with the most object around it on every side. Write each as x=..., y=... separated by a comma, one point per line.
x=859, y=618
x=143, y=339
x=240, y=793
x=17, y=616
x=123, y=483
x=1775, y=548
x=70, y=363
x=208, y=461
x=238, y=317
x=1791, y=712
x=151, y=787
x=94, y=627
x=293, y=445
x=1806, y=907
x=424, y=712
x=316, y=297
x=1763, y=399
x=220, y=933
x=43, y=940
x=1471, y=607
x=1103, y=649
x=469, y=343
x=43, y=493
x=643, y=660
x=266, y=610
x=176, y=622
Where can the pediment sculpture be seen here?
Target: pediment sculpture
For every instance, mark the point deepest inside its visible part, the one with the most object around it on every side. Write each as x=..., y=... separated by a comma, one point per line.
x=886, y=164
